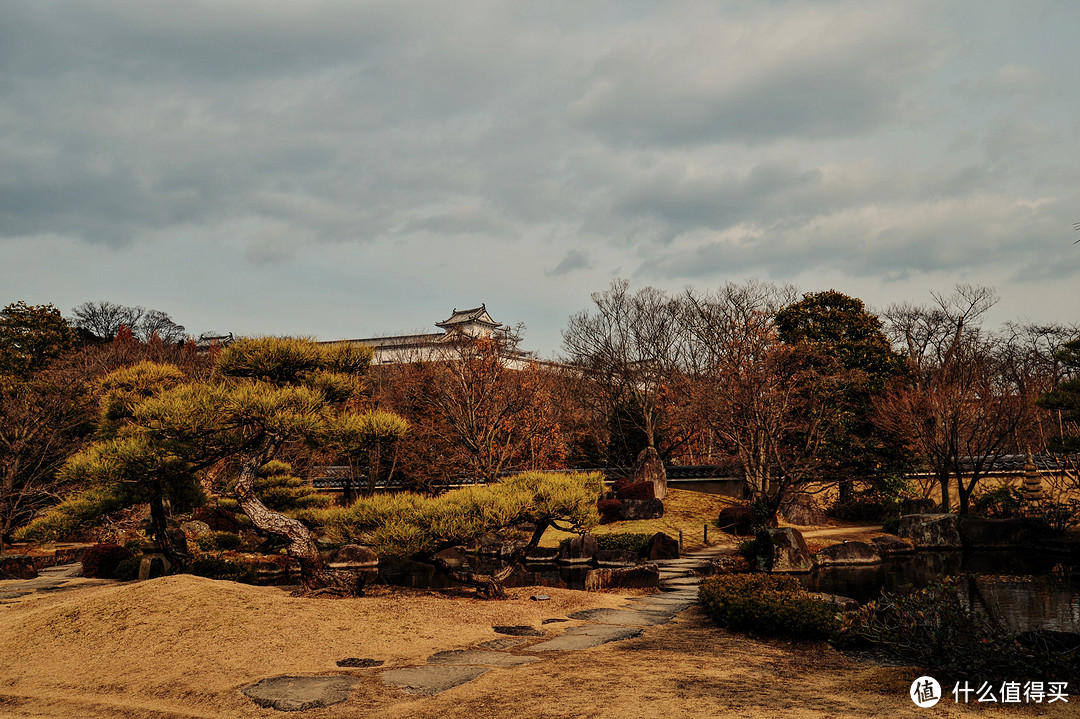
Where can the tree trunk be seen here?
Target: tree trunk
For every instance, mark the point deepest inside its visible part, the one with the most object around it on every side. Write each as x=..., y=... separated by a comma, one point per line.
x=943, y=480
x=488, y=586
x=171, y=541
x=314, y=575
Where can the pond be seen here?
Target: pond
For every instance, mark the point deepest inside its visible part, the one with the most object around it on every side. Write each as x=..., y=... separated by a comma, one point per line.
x=1022, y=589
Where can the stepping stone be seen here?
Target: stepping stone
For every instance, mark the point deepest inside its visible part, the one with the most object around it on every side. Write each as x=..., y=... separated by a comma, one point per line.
x=681, y=582
x=362, y=663
x=473, y=657
x=290, y=694
x=661, y=606
x=518, y=631
x=432, y=678
x=585, y=637
x=630, y=617
x=497, y=645
x=553, y=621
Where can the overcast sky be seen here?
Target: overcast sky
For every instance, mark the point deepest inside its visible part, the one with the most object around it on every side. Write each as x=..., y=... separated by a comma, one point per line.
x=347, y=169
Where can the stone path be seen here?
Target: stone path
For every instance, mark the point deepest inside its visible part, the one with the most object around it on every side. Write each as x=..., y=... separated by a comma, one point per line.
x=50, y=579
x=678, y=584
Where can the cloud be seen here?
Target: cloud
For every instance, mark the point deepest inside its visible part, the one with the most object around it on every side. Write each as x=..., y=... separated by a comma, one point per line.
x=573, y=260
x=805, y=70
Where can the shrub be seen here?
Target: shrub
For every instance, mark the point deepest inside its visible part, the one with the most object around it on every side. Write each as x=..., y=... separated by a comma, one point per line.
x=747, y=549
x=1003, y=502
x=632, y=541
x=1059, y=515
x=128, y=570
x=611, y=510
x=218, y=568
x=935, y=629
x=890, y=525
x=218, y=541
x=766, y=604
x=861, y=508
x=102, y=560
x=636, y=490
x=737, y=519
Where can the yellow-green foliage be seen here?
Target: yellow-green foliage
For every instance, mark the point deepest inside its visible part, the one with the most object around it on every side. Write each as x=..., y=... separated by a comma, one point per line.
x=124, y=388
x=69, y=516
x=332, y=370
x=766, y=604
x=278, y=489
x=409, y=523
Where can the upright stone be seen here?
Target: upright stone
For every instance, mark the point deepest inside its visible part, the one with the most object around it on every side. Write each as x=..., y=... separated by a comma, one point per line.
x=578, y=550
x=783, y=549
x=804, y=511
x=649, y=468
x=661, y=546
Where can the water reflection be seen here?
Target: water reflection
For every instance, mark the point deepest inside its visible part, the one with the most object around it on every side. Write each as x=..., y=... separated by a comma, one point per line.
x=1023, y=590
x=404, y=572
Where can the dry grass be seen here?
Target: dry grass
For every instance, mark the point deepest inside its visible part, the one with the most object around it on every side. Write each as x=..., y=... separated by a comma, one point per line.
x=684, y=510
x=185, y=646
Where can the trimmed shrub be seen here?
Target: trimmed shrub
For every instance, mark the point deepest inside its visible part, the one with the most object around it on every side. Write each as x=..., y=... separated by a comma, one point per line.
x=636, y=490
x=128, y=570
x=766, y=604
x=218, y=541
x=737, y=519
x=631, y=541
x=218, y=568
x=102, y=560
x=611, y=510
x=890, y=525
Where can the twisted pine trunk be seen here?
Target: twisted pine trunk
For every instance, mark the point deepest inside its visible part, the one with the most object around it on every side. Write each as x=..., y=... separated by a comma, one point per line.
x=314, y=575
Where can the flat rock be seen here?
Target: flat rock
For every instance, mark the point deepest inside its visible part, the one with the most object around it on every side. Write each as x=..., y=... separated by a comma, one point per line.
x=359, y=663
x=496, y=645
x=518, y=630
x=629, y=617
x=290, y=694
x=681, y=582
x=432, y=678
x=585, y=637
x=849, y=553
x=472, y=657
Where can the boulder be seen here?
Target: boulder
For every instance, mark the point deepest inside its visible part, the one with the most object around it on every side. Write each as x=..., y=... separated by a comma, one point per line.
x=661, y=546
x=782, y=549
x=737, y=519
x=649, y=468
x=578, y=550
x=836, y=602
x=17, y=566
x=647, y=575
x=353, y=556
x=195, y=529
x=889, y=545
x=616, y=557
x=453, y=558
x=931, y=531
x=642, y=509
x=976, y=532
x=848, y=553
x=804, y=511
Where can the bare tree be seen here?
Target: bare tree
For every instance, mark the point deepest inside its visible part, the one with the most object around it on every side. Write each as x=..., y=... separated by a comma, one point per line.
x=768, y=401
x=961, y=407
x=630, y=348
x=156, y=322
x=103, y=319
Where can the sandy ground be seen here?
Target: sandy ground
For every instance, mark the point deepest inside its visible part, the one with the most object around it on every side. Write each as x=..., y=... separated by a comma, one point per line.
x=185, y=646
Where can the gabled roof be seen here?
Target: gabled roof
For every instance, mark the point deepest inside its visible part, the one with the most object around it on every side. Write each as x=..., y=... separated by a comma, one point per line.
x=476, y=315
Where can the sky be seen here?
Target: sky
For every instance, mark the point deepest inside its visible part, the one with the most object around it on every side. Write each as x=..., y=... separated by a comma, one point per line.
x=351, y=169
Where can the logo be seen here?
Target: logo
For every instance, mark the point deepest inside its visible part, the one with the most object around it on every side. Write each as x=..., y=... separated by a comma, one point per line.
x=925, y=692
